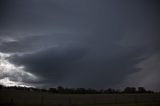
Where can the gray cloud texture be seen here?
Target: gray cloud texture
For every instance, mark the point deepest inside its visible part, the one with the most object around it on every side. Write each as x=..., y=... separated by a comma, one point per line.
x=83, y=43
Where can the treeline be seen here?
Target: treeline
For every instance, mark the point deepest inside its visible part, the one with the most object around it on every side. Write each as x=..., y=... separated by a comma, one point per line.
x=102, y=91
x=63, y=90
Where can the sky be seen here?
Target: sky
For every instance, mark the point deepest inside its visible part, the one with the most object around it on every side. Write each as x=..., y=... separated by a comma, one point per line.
x=80, y=43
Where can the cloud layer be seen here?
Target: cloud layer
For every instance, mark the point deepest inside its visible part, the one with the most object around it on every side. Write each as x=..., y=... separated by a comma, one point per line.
x=79, y=43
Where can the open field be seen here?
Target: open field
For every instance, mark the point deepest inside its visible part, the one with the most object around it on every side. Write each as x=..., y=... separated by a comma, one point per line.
x=129, y=104
x=26, y=98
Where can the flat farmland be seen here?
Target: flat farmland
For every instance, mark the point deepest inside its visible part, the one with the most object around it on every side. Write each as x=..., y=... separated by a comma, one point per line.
x=26, y=98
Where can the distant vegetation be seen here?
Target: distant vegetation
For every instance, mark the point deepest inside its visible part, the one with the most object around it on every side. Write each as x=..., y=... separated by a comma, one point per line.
x=63, y=90
x=60, y=96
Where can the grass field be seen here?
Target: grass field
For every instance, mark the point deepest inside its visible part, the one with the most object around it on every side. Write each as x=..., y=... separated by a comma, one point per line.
x=26, y=98
x=127, y=104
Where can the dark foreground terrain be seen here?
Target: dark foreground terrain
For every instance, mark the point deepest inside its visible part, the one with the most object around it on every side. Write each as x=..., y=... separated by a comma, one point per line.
x=30, y=98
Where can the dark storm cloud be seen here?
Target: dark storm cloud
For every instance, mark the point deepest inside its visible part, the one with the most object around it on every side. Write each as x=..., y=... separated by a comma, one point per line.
x=75, y=66
x=52, y=63
x=81, y=43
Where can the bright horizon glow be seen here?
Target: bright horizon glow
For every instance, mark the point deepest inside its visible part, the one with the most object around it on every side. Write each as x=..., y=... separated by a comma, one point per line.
x=12, y=75
x=8, y=83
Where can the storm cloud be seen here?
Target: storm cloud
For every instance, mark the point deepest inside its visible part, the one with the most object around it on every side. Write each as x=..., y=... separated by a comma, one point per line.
x=83, y=43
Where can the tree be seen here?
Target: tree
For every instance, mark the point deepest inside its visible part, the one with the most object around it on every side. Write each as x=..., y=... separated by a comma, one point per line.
x=60, y=89
x=141, y=90
x=53, y=90
x=1, y=86
x=109, y=90
x=130, y=90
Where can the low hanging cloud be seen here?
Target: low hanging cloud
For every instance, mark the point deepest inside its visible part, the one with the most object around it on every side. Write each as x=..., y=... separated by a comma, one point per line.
x=78, y=66
x=52, y=64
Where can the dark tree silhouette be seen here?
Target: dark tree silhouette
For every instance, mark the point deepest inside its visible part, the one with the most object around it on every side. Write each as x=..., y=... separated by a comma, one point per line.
x=130, y=90
x=53, y=90
x=63, y=90
x=1, y=86
x=141, y=90
x=109, y=91
x=60, y=89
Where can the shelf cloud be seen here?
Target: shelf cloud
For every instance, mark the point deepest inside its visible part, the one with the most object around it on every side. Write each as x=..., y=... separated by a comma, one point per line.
x=79, y=43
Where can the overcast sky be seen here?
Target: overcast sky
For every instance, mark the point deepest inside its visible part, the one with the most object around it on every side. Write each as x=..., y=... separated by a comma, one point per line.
x=80, y=43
